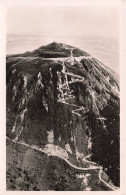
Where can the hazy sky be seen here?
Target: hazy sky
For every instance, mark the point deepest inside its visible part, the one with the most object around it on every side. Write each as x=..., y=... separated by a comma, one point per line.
x=64, y=21
x=71, y=25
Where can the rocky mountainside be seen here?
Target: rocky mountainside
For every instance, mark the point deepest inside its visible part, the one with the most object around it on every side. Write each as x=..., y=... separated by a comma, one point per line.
x=65, y=102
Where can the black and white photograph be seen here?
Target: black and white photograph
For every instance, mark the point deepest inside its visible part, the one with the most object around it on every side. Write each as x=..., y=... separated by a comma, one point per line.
x=63, y=97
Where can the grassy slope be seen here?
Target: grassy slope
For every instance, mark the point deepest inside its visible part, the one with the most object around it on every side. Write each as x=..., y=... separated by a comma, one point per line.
x=30, y=170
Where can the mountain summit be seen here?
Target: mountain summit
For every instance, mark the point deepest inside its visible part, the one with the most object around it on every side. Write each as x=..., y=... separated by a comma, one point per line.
x=55, y=50
x=65, y=103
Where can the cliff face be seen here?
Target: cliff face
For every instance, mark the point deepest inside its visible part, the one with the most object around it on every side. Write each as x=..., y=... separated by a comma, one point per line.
x=62, y=99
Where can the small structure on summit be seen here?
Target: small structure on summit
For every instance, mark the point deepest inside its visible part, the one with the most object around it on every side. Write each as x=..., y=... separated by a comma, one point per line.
x=71, y=57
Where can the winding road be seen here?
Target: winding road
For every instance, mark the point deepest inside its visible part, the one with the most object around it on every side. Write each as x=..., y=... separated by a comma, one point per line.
x=74, y=111
x=69, y=163
x=34, y=147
